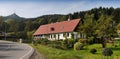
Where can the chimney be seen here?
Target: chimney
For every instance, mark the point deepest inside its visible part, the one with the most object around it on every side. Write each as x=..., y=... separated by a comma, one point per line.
x=69, y=18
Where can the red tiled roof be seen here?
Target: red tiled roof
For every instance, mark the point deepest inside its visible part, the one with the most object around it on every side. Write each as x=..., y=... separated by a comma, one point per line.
x=58, y=27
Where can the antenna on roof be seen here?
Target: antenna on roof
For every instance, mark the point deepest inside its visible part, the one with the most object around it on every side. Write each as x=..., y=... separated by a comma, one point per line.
x=69, y=18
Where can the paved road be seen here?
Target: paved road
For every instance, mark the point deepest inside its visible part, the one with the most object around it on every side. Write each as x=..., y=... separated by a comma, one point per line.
x=10, y=50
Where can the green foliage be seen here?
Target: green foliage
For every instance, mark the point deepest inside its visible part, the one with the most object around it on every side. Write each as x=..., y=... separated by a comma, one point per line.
x=22, y=34
x=53, y=53
x=59, y=44
x=104, y=26
x=13, y=25
x=107, y=52
x=30, y=35
x=1, y=23
x=118, y=29
x=81, y=40
x=70, y=43
x=93, y=51
x=62, y=44
x=87, y=26
x=118, y=26
x=90, y=40
x=78, y=46
x=56, y=44
x=72, y=35
x=43, y=41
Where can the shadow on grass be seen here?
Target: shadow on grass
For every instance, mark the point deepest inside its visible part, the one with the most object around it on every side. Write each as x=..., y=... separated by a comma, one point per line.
x=115, y=48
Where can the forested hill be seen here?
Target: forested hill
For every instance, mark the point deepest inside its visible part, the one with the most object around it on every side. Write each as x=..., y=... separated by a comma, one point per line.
x=97, y=12
x=31, y=24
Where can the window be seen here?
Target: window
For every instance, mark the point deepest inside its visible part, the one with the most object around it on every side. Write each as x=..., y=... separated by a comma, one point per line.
x=52, y=29
x=67, y=34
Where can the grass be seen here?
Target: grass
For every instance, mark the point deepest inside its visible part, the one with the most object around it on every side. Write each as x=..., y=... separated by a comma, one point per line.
x=52, y=53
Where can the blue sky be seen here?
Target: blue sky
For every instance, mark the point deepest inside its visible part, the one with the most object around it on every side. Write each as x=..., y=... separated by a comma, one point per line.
x=35, y=8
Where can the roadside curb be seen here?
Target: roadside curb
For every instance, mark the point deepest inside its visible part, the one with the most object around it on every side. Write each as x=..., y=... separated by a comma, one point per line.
x=28, y=54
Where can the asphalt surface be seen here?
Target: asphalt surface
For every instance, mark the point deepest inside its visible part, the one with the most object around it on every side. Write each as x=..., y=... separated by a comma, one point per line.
x=11, y=50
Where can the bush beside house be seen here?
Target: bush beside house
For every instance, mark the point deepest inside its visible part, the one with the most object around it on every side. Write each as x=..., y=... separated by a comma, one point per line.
x=78, y=46
x=107, y=52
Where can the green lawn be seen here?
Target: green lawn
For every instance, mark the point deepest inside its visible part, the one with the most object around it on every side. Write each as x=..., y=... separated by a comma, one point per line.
x=52, y=53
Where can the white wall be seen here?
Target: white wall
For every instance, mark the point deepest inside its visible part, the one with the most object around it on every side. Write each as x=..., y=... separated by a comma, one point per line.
x=52, y=37
x=61, y=36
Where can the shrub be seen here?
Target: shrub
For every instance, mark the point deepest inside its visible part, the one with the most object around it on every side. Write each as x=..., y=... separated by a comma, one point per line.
x=55, y=43
x=91, y=40
x=70, y=43
x=107, y=52
x=43, y=41
x=116, y=46
x=84, y=41
x=81, y=40
x=93, y=51
x=78, y=46
x=64, y=44
x=39, y=41
x=58, y=44
x=67, y=43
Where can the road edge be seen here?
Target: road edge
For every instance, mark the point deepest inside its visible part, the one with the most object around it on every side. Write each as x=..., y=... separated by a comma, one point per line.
x=28, y=54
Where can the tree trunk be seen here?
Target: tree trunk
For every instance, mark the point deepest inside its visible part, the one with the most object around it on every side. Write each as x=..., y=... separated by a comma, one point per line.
x=103, y=42
x=103, y=45
x=112, y=41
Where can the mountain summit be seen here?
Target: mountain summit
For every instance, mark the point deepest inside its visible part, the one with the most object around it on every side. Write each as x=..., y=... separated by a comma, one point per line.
x=13, y=16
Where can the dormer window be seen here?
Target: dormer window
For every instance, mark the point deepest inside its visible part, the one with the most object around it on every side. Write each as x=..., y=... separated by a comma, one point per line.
x=52, y=29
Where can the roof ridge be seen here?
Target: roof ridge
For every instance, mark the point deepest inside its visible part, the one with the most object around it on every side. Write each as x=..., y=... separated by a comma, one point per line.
x=62, y=21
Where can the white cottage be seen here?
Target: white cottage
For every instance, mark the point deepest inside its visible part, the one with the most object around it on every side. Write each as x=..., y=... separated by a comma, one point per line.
x=58, y=30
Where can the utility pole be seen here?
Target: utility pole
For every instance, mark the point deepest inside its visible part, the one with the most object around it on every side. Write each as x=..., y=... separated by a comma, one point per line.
x=5, y=31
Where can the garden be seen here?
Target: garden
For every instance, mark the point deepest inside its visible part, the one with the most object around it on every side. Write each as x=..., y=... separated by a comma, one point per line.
x=78, y=49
